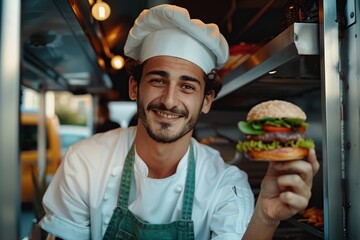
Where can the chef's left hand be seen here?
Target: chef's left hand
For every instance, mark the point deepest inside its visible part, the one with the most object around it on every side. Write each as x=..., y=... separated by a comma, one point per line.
x=286, y=188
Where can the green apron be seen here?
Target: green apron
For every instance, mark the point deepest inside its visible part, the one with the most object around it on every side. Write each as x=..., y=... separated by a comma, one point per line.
x=125, y=225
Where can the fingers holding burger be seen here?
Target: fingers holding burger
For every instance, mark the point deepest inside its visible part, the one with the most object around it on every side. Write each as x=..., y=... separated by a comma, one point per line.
x=275, y=130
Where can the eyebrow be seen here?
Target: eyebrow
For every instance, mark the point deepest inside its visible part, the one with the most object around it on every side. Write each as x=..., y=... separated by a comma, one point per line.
x=165, y=74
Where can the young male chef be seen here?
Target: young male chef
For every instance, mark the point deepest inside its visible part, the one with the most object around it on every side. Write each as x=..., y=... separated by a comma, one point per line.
x=155, y=181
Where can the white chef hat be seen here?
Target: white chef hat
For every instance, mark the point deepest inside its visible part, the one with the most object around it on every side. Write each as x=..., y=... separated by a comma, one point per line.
x=167, y=30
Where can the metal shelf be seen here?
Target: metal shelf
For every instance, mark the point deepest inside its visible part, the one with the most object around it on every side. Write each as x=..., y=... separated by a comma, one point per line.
x=307, y=227
x=294, y=48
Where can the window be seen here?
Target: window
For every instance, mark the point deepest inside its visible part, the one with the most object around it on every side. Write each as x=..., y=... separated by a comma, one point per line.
x=29, y=138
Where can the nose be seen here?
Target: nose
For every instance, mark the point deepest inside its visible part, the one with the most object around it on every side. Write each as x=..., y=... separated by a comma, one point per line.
x=169, y=97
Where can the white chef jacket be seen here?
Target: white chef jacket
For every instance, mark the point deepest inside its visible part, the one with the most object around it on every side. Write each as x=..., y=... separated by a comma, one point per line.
x=80, y=199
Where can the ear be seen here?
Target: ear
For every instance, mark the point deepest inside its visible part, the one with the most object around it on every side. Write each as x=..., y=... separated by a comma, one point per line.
x=207, y=102
x=133, y=88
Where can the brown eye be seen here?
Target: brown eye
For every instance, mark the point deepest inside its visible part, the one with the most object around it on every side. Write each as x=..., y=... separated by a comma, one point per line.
x=188, y=88
x=157, y=82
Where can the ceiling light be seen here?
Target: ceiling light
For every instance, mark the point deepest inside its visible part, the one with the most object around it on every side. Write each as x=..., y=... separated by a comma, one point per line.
x=117, y=62
x=101, y=62
x=101, y=10
x=272, y=72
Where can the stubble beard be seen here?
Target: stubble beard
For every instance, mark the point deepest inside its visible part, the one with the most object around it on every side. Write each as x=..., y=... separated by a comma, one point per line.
x=165, y=134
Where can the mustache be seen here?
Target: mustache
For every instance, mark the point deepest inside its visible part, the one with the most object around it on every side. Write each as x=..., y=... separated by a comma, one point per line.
x=162, y=107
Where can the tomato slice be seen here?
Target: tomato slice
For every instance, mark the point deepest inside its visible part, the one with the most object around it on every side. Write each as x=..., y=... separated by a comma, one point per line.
x=301, y=129
x=269, y=128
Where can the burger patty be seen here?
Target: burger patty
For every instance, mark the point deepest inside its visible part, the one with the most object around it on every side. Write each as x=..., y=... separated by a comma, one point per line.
x=281, y=137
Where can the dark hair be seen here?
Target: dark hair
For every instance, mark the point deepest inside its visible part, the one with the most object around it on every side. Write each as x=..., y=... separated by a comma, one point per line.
x=213, y=80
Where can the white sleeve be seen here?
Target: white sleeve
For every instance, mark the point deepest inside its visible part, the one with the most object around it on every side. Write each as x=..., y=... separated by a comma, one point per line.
x=65, y=201
x=234, y=209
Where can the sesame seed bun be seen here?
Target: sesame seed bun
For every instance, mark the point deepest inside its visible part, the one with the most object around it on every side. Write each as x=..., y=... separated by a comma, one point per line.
x=275, y=109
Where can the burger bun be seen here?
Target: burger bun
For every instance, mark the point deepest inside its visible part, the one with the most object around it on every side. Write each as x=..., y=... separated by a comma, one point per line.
x=275, y=109
x=279, y=154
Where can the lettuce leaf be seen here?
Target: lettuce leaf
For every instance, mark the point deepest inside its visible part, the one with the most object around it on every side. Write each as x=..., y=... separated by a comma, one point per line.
x=250, y=128
x=256, y=127
x=260, y=146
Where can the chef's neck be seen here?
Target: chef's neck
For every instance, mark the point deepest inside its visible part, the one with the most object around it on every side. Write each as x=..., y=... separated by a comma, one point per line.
x=161, y=158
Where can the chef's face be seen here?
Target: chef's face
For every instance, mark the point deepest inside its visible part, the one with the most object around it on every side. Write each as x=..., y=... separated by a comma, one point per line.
x=170, y=97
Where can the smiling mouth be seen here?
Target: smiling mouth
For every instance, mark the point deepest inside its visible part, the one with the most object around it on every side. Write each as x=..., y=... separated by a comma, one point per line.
x=168, y=116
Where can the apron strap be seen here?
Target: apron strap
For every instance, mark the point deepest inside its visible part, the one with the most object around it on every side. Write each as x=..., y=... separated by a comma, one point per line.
x=189, y=187
x=125, y=186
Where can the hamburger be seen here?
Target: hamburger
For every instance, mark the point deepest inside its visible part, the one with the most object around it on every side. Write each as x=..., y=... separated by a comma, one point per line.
x=275, y=131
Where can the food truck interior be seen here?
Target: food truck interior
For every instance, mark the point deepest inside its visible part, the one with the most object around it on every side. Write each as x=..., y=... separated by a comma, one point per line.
x=277, y=51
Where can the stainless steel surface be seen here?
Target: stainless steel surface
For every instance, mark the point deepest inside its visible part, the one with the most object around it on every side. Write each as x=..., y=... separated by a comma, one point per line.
x=294, y=54
x=297, y=40
x=332, y=118
x=41, y=134
x=350, y=12
x=350, y=52
x=57, y=53
x=9, y=118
